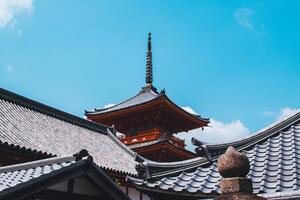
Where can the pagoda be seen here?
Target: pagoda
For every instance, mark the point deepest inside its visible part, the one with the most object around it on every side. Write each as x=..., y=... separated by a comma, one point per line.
x=149, y=120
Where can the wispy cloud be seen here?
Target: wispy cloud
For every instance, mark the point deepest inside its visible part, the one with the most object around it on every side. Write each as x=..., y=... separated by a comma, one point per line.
x=10, y=9
x=268, y=114
x=245, y=17
x=9, y=68
x=282, y=114
x=189, y=109
x=217, y=132
x=286, y=113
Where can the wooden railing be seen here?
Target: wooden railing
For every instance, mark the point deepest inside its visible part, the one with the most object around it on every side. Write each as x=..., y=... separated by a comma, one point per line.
x=151, y=135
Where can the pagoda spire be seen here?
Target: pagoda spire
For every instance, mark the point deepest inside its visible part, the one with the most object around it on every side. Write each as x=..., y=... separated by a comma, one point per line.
x=149, y=69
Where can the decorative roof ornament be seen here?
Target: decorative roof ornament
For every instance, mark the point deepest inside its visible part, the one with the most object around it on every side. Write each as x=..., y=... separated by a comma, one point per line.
x=234, y=167
x=149, y=70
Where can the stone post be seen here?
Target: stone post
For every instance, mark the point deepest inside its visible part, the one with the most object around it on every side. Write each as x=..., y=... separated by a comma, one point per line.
x=233, y=167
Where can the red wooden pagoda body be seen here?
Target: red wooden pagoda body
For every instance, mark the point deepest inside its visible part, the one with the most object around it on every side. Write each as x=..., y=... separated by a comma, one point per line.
x=149, y=121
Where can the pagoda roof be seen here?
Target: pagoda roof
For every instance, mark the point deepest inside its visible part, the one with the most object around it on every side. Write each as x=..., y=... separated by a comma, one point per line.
x=274, y=159
x=147, y=96
x=167, y=143
x=30, y=126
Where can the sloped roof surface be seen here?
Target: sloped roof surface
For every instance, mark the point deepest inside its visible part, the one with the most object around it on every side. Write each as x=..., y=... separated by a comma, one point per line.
x=12, y=176
x=217, y=149
x=275, y=167
x=22, y=180
x=145, y=95
x=35, y=126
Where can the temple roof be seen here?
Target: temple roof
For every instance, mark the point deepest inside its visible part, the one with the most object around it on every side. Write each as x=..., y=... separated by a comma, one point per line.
x=147, y=97
x=27, y=124
x=25, y=179
x=147, y=94
x=14, y=175
x=261, y=135
x=163, y=143
x=274, y=155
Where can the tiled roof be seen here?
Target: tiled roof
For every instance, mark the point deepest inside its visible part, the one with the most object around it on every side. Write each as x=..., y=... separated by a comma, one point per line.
x=14, y=175
x=145, y=95
x=275, y=167
x=35, y=126
x=274, y=128
x=23, y=180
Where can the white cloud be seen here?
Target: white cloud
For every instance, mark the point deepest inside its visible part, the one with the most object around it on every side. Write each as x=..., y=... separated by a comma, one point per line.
x=268, y=113
x=282, y=114
x=109, y=105
x=9, y=68
x=286, y=113
x=217, y=132
x=245, y=17
x=220, y=132
x=189, y=109
x=10, y=9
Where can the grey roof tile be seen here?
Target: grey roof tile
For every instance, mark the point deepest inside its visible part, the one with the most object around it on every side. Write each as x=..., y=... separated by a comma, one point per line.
x=29, y=124
x=145, y=95
x=274, y=167
x=17, y=174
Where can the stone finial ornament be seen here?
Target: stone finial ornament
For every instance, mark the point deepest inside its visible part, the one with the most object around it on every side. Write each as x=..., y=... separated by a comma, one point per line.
x=234, y=167
x=233, y=164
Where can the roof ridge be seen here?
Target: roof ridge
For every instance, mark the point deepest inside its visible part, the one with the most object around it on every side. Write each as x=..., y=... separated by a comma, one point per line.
x=267, y=130
x=51, y=111
x=120, y=144
x=37, y=163
x=201, y=161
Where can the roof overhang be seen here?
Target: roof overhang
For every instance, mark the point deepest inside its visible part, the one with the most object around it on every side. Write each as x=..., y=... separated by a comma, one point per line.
x=161, y=103
x=81, y=168
x=165, y=147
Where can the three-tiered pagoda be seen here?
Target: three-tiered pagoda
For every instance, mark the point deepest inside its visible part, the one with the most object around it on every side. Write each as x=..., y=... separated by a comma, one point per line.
x=149, y=121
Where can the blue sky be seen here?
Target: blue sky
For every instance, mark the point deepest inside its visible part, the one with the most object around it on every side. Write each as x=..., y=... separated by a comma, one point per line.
x=235, y=62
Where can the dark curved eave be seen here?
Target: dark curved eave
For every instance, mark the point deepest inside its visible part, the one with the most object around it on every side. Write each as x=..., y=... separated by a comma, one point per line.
x=157, y=170
x=195, y=119
x=169, y=143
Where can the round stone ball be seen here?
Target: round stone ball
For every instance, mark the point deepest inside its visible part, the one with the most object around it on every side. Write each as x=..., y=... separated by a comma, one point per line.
x=233, y=164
